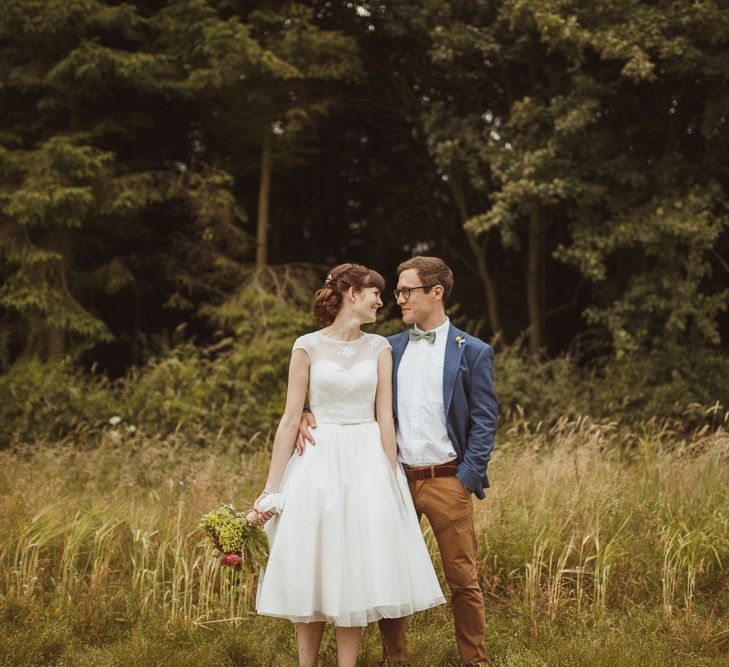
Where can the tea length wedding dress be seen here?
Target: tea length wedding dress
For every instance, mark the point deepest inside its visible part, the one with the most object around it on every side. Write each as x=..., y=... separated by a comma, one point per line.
x=347, y=547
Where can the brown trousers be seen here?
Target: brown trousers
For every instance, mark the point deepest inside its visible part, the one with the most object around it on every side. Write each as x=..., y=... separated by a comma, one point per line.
x=447, y=505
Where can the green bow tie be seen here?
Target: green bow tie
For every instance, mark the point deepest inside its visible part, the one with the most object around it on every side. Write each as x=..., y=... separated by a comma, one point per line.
x=424, y=335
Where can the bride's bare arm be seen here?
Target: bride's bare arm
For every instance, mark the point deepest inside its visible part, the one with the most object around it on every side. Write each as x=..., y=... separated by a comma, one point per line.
x=383, y=405
x=288, y=428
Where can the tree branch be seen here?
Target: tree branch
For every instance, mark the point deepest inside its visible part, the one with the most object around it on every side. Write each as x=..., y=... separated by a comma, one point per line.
x=565, y=306
x=722, y=261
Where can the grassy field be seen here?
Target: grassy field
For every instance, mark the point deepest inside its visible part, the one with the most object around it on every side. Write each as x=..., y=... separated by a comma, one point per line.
x=598, y=546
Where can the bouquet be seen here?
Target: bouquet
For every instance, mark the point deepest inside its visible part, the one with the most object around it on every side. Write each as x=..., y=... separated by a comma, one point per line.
x=238, y=539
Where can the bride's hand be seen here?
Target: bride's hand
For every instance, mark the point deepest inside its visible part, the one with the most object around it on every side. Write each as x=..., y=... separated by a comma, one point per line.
x=262, y=516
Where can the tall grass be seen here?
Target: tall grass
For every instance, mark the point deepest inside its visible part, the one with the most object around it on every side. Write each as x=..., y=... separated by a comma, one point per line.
x=597, y=546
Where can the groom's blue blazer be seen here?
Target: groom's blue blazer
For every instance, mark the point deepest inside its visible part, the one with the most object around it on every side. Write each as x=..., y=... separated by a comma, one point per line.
x=469, y=402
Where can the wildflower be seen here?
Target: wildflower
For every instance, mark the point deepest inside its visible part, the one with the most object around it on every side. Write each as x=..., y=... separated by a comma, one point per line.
x=231, y=560
x=231, y=537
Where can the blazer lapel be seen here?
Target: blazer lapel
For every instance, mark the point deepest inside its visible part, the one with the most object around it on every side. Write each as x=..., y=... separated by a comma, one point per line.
x=452, y=361
x=398, y=349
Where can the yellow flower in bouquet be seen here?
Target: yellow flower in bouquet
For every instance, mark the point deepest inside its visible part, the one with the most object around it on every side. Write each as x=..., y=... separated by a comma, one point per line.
x=231, y=537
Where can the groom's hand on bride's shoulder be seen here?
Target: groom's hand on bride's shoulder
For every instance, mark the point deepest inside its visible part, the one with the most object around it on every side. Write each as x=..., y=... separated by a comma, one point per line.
x=304, y=436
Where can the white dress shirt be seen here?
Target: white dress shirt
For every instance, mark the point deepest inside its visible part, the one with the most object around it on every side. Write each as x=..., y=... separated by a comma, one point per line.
x=422, y=437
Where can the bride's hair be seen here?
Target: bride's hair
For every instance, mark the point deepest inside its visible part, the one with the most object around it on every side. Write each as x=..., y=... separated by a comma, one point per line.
x=328, y=299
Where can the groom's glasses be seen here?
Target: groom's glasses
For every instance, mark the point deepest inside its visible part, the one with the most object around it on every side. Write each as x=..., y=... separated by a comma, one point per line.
x=405, y=291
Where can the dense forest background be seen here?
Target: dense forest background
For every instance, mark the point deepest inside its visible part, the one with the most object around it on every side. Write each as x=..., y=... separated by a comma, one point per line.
x=176, y=178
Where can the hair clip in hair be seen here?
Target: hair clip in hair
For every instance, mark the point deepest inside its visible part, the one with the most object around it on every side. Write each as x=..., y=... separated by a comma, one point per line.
x=329, y=280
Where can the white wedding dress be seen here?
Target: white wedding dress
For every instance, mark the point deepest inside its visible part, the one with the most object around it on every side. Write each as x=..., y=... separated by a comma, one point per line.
x=347, y=547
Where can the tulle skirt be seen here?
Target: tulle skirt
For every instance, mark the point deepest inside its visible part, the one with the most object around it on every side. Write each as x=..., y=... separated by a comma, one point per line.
x=347, y=547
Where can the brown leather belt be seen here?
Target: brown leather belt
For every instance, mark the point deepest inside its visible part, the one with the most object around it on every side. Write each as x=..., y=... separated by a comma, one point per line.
x=429, y=472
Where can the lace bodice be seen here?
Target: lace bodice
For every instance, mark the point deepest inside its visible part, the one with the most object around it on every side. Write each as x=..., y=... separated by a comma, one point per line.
x=342, y=377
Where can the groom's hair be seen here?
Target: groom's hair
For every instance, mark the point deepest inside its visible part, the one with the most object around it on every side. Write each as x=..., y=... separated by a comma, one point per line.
x=432, y=271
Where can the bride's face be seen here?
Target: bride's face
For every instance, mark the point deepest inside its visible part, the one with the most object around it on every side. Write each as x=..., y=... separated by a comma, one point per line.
x=366, y=304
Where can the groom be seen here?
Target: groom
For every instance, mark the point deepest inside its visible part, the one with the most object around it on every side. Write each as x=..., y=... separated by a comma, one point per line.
x=445, y=410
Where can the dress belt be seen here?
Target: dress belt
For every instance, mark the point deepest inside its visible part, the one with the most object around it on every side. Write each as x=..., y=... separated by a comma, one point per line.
x=346, y=422
x=414, y=473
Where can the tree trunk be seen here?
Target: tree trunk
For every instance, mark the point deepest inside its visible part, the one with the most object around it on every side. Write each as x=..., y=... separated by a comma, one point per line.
x=315, y=225
x=74, y=113
x=54, y=344
x=479, y=252
x=534, y=278
x=52, y=338
x=136, y=322
x=279, y=220
x=264, y=196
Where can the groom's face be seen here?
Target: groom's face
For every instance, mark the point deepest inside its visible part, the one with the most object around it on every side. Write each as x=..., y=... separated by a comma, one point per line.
x=420, y=305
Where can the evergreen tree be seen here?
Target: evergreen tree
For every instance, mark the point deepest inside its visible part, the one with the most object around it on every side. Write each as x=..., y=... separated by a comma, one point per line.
x=266, y=77
x=95, y=155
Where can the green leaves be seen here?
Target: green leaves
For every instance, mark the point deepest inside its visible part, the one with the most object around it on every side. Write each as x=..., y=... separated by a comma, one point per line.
x=93, y=70
x=665, y=299
x=86, y=168
x=62, y=207
x=587, y=135
x=575, y=143
x=53, y=190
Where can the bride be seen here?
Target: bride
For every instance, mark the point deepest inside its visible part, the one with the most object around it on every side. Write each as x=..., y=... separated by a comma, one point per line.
x=347, y=547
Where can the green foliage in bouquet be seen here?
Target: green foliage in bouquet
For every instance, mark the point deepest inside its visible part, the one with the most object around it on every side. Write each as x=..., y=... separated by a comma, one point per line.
x=241, y=543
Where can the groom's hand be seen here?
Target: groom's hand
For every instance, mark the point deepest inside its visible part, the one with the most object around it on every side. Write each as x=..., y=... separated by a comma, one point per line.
x=304, y=435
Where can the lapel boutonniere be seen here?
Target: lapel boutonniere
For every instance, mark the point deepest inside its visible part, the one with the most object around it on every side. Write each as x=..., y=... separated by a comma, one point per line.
x=460, y=341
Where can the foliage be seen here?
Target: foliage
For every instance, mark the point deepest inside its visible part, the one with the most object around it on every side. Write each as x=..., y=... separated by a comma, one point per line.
x=51, y=400
x=233, y=390
x=587, y=135
x=687, y=386
x=565, y=158
x=580, y=146
x=265, y=317
x=259, y=72
x=90, y=196
x=50, y=196
x=539, y=390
